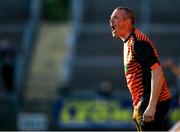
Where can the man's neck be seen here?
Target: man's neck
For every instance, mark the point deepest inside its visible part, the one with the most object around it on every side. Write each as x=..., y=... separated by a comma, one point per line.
x=126, y=34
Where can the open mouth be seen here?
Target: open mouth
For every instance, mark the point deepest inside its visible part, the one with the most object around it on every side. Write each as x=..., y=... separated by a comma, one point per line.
x=112, y=28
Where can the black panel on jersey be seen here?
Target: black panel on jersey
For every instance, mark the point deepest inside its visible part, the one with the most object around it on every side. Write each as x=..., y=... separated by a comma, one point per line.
x=145, y=53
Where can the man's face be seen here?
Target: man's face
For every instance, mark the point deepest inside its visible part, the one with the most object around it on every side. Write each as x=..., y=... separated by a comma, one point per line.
x=118, y=23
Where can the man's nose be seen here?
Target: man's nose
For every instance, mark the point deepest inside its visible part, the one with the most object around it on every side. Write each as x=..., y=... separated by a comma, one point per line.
x=111, y=21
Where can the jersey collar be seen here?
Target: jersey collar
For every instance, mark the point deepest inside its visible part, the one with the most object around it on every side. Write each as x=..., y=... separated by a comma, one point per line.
x=129, y=36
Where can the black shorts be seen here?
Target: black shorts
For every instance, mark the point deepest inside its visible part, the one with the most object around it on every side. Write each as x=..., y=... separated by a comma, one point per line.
x=158, y=123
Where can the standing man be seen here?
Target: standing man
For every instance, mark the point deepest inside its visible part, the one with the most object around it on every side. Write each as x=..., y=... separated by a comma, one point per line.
x=145, y=78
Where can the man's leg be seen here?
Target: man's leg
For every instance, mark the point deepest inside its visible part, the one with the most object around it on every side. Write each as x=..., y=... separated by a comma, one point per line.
x=158, y=123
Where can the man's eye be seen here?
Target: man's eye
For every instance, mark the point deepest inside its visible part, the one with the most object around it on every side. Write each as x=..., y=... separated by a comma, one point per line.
x=116, y=17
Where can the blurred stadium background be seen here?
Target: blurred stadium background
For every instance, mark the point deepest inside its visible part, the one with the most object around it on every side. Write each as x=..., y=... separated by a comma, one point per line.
x=61, y=69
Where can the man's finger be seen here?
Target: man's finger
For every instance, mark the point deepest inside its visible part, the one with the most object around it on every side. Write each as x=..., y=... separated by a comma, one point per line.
x=152, y=118
x=148, y=118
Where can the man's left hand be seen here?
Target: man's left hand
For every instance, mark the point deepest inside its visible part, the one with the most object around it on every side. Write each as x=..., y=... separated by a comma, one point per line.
x=149, y=114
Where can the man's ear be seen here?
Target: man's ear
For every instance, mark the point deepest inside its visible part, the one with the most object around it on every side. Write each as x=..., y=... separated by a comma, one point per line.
x=128, y=21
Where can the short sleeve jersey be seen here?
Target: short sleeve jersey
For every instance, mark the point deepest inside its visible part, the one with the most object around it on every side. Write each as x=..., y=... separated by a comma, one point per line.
x=140, y=57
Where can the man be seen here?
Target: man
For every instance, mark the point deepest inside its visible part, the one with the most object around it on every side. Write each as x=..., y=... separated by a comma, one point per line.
x=145, y=79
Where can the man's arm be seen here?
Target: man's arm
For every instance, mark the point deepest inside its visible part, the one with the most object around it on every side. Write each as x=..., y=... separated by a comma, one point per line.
x=157, y=79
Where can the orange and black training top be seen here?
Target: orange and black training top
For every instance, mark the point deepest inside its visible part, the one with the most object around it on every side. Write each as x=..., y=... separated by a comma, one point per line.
x=140, y=57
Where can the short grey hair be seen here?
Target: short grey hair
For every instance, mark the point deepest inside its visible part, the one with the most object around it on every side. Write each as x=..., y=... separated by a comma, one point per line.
x=129, y=13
